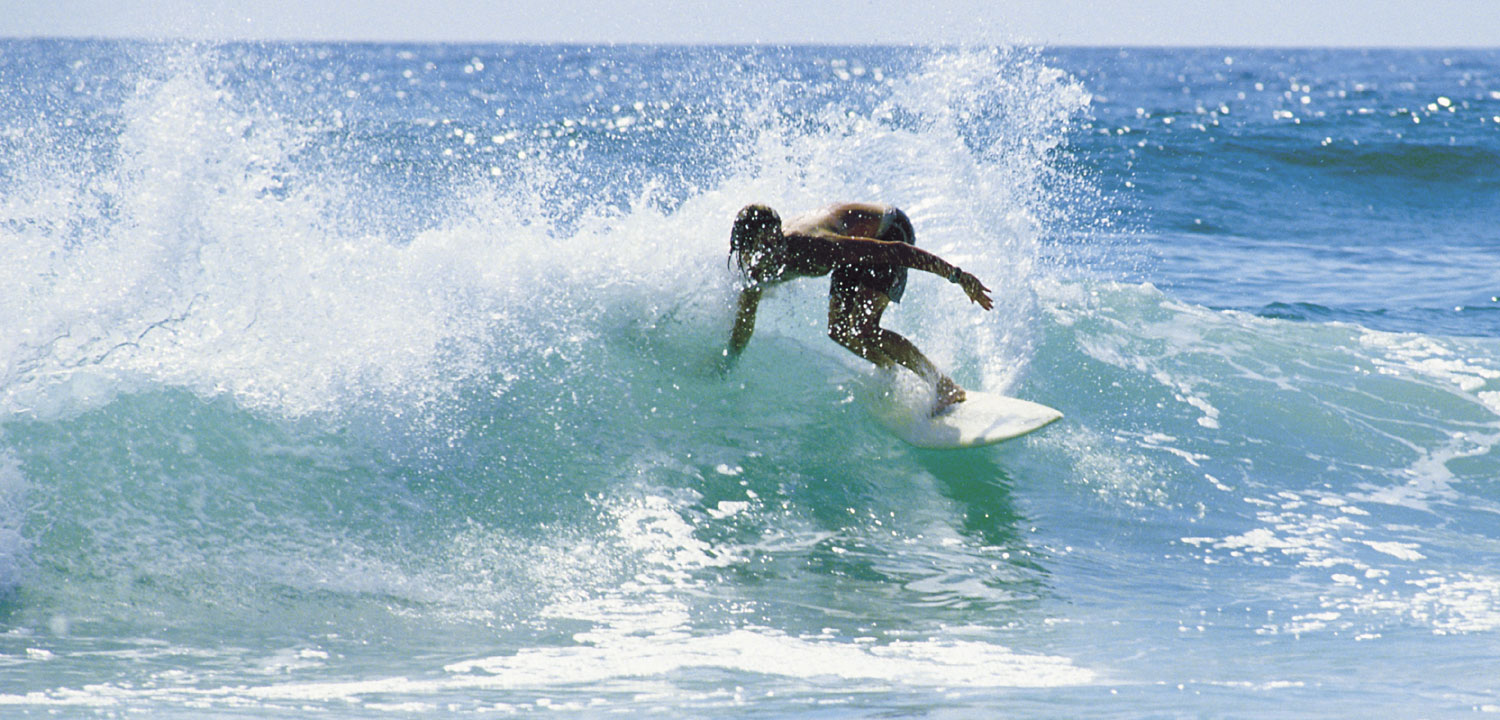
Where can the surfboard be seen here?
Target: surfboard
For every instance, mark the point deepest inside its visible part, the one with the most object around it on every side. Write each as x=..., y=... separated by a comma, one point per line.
x=983, y=419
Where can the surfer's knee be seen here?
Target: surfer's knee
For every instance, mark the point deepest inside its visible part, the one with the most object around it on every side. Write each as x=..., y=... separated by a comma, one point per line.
x=844, y=335
x=862, y=344
x=851, y=334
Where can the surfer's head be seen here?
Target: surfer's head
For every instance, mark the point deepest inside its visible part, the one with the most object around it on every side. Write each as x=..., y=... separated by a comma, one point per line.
x=754, y=228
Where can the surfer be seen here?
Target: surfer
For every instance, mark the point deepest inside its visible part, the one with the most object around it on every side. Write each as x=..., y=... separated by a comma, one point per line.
x=868, y=249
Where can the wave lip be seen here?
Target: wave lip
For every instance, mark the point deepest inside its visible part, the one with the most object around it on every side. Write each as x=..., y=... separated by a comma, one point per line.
x=1456, y=321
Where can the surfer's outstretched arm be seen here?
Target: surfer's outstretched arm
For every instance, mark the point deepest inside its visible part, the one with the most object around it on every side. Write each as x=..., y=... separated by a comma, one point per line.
x=744, y=325
x=869, y=251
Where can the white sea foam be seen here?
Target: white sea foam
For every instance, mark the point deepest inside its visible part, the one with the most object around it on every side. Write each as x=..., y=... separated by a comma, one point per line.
x=617, y=669
x=950, y=663
x=1365, y=591
x=224, y=266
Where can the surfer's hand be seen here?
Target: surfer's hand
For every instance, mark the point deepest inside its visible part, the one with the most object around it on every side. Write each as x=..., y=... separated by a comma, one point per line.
x=725, y=363
x=976, y=290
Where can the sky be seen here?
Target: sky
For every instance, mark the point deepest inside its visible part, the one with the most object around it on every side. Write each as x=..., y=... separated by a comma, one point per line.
x=1274, y=23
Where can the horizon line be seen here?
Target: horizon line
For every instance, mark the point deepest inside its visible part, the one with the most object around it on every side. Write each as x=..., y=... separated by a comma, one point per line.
x=314, y=40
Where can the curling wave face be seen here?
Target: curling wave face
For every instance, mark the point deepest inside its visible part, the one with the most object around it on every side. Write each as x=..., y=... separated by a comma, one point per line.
x=379, y=379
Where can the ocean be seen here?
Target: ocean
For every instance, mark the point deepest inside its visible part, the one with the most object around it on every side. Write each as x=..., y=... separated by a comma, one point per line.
x=378, y=381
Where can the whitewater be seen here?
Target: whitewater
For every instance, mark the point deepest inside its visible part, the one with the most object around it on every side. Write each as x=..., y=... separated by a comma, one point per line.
x=371, y=380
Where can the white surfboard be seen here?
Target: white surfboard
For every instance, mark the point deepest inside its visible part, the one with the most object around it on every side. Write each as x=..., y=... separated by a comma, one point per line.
x=983, y=419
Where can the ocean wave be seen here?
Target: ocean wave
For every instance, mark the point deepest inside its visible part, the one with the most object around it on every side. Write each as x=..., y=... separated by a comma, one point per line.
x=1302, y=443
x=1428, y=162
x=264, y=448
x=1459, y=320
x=237, y=400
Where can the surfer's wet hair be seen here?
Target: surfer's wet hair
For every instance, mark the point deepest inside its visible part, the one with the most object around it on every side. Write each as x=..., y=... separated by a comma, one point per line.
x=752, y=222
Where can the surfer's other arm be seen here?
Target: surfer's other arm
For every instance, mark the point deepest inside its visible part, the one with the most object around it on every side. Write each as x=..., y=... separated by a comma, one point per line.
x=872, y=252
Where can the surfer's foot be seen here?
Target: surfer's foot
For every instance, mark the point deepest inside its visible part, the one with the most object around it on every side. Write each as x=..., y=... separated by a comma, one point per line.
x=948, y=395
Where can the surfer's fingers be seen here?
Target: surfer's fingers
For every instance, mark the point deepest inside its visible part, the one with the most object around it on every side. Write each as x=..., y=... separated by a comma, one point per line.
x=977, y=294
x=976, y=290
x=984, y=299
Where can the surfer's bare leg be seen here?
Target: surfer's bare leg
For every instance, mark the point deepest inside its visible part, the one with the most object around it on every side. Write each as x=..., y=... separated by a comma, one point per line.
x=854, y=322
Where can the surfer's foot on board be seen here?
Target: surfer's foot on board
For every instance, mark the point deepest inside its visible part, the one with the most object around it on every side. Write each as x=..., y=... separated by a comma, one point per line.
x=948, y=395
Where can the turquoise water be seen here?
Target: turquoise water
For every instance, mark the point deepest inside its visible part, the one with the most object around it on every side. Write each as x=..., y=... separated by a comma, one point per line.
x=377, y=381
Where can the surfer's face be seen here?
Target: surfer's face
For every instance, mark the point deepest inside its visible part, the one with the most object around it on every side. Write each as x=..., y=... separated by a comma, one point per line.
x=757, y=254
x=759, y=242
x=753, y=240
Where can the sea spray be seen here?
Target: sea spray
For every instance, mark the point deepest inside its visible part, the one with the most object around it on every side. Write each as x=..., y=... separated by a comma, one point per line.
x=404, y=399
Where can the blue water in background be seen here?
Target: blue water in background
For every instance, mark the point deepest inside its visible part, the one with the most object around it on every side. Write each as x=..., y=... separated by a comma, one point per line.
x=1363, y=179
x=377, y=381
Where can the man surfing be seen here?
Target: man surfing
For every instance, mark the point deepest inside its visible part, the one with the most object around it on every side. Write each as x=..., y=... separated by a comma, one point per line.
x=867, y=248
